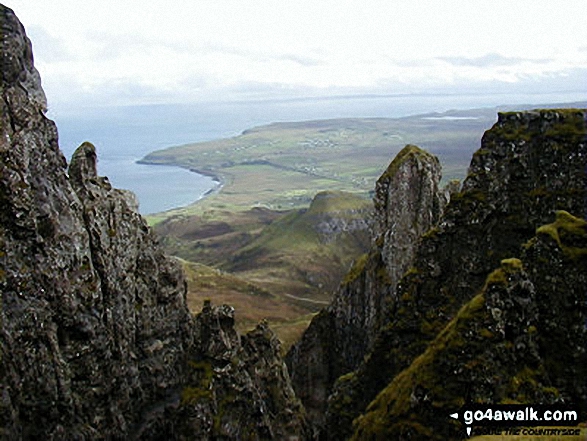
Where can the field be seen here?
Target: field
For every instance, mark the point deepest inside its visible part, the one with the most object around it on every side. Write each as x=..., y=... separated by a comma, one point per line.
x=283, y=165
x=255, y=242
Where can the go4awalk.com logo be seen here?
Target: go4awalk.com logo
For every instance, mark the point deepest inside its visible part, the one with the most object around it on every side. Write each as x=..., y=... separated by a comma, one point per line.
x=516, y=415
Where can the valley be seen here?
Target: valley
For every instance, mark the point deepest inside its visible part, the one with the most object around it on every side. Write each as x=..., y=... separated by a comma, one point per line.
x=256, y=243
x=332, y=288
x=276, y=265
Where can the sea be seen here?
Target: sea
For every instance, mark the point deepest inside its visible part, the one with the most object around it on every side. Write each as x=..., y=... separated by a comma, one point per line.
x=125, y=134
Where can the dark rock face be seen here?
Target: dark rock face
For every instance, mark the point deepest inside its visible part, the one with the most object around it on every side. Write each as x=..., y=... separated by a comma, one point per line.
x=96, y=341
x=239, y=387
x=94, y=321
x=530, y=165
x=96, y=338
x=407, y=203
x=520, y=340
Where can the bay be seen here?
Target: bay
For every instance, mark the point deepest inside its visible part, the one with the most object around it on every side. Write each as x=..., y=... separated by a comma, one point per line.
x=125, y=134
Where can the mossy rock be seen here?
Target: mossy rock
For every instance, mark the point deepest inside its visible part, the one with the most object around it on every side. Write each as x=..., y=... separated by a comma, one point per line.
x=201, y=388
x=356, y=270
x=569, y=232
x=409, y=151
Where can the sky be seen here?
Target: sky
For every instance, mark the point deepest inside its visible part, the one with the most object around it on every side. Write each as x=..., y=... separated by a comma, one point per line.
x=123, y=52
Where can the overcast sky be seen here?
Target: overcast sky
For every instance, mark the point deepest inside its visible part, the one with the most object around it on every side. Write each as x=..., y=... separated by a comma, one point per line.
x=131, y=52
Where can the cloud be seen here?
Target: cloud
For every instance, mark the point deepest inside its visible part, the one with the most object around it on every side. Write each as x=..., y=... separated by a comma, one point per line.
x=135, y=51
x=491, y=60
x=53, y=49
x=306, y=61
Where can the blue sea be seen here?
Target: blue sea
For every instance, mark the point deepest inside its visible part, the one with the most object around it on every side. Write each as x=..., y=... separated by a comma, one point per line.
x=123, y=135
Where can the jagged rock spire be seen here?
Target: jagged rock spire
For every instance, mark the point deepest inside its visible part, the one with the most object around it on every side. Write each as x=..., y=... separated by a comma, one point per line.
x=407, y=203
x=83, y=165
x=96, y=340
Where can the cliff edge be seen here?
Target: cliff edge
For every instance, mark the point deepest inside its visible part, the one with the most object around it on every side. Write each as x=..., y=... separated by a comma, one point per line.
x=530, y=166
x=96, y=341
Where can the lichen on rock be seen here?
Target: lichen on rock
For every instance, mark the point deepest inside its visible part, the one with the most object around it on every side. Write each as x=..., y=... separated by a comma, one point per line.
x=501, y=347
x=407, y=203
x=96, y=340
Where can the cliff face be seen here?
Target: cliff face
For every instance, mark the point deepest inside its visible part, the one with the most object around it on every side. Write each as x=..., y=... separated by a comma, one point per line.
x=94, y=320
x=238, y=386
x=96, y=338
x=530, y=165
x=521, y=339
x=407, y=203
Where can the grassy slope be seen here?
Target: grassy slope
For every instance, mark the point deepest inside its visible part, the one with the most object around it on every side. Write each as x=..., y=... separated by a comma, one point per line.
x=293, y=258
x=267, y=264
x=251, y=303
x=284, y=250
x=214, y=236
x=253, y=226
x=283, y=165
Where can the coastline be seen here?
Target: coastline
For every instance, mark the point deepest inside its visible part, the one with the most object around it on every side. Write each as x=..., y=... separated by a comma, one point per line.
x=282, y=164
x=218, y=179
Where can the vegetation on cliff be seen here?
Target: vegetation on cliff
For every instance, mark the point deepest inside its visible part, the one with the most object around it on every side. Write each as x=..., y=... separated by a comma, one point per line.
x=514, y=185
x=499, y=348
x=94, y=314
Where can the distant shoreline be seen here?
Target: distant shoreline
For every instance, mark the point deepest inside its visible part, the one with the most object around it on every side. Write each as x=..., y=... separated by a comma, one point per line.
x=219, y=180
x=303, y=154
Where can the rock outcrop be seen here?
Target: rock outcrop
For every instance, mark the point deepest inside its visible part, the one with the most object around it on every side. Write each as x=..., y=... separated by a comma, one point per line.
x=86, y=293
x=96, y=341
x=238, y=387
x=407, y=203
x=334, y=214
x=530, y=165
x=521, y=339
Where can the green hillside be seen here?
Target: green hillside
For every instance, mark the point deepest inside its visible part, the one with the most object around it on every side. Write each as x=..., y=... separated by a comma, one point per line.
x=283, y=165
x=287, y=190
x=306, y=253
x=279, y=265
x=298, y=254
